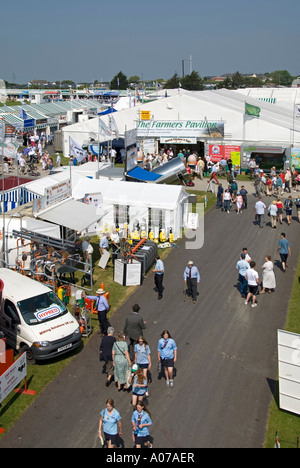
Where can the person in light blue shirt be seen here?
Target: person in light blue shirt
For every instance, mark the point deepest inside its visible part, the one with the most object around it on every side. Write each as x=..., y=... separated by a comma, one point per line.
x=110, y=423
x=191, y=277
x=102, y=307
x=242, y=266
x=142, y=355
x=141, y=420
x=159, y=271
x=167, y=355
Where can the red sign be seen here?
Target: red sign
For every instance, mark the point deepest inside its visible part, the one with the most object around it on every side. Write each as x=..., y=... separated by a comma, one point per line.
x=217, y=152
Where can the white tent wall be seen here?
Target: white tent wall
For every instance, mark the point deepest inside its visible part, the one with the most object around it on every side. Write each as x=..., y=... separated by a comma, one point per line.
x=169, y=200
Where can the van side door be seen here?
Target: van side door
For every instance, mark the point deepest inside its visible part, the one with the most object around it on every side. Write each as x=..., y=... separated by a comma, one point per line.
x=10, y=323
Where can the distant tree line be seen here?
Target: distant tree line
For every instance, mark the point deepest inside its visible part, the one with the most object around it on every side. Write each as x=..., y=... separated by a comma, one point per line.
x=191, y=82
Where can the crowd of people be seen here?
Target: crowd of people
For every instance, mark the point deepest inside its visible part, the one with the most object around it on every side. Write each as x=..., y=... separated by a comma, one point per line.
x=249, y=278
x=130, y=366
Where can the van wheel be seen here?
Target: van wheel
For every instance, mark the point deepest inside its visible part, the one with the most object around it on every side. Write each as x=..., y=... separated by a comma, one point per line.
x=29, y=354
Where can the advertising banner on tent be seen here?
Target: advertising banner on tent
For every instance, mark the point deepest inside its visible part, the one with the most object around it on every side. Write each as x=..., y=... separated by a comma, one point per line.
x=295, y=157
x=217, y=152
x=180, y=128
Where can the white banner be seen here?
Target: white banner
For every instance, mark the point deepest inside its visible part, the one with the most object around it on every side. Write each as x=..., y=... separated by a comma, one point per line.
x=289, y=371
x=104, y=131
x=76, y=150
x=12, y=377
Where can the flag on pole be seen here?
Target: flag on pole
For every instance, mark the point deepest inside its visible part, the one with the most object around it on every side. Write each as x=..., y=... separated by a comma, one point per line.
x=76, y=150
x=114, y=127
x=104, y=131
x=252, y=110
x=297, y=110
x=23, y=115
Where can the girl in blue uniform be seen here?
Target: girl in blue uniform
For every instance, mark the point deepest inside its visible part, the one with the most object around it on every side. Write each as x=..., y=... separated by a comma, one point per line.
x=141, y=420
x=167, y=355
x=110, y=422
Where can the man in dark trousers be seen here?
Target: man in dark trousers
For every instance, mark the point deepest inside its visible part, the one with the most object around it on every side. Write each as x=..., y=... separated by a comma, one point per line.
x=191, y=277
x=159, y=276
x=133, y=328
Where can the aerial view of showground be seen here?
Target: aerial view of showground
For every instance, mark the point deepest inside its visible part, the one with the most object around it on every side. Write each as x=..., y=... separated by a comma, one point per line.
x=165, y=205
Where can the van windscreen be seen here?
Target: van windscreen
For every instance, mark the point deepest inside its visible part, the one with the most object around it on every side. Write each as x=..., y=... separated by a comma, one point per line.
x=41, y=308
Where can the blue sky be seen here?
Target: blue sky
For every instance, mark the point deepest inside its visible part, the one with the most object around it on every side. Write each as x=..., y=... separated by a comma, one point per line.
x=94, y=39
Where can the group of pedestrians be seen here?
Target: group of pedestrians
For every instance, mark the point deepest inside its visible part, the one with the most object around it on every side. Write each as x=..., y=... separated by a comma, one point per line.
x=249, y=278
x=275, y=211
x=129, y=365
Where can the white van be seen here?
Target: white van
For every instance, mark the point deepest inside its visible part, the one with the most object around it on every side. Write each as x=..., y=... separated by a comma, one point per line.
x=34, y=319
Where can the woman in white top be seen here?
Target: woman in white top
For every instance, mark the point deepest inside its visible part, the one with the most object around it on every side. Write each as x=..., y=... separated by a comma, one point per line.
x=253, y=282
x=268, y=280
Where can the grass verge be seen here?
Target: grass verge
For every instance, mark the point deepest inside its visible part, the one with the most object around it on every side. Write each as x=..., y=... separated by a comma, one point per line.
x=285, y=423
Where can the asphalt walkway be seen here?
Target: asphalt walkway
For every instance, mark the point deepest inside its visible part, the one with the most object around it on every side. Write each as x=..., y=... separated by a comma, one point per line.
x=227, y=352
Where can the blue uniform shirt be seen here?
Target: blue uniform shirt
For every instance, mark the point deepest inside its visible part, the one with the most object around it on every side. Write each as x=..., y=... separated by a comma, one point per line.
x=110, y=421
x=141, y=418
x=166, y=348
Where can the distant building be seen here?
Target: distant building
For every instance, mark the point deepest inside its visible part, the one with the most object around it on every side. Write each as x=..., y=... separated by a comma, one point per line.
x=296, y=83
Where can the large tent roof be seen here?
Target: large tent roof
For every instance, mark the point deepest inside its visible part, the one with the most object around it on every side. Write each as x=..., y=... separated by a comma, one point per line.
x=164, y=197
x=274, y=126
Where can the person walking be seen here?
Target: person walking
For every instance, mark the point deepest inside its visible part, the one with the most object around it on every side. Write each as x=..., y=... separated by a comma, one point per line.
x=288, y=204
x=244, y=194
x=110, y=423
x=279, y=205
x=139, y=387
x=214, y=171
x=260, y=212
x=268, y=279
x=239, y=203
x=253, y=281
x=242, y=266
x=141, y=421
x=297, y=204
x=284, y=250
x=191, y=277
x=272, y=210
x=227, y=200
x=121, y=361
x=102, y=308
x=167, y=356
x=142, y=355
x=106, y=354
x=158, y=271
x=133, y=328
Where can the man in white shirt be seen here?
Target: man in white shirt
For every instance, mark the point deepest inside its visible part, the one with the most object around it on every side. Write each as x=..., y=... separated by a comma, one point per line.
x=113, y=155
x=260, y=212
x=252, y=278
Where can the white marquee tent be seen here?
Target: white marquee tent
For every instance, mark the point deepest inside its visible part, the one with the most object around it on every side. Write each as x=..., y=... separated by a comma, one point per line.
x=137, y=202
x=276, y=125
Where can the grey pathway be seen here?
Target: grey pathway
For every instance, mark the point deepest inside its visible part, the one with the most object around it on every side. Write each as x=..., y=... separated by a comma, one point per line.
x=227, y=353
